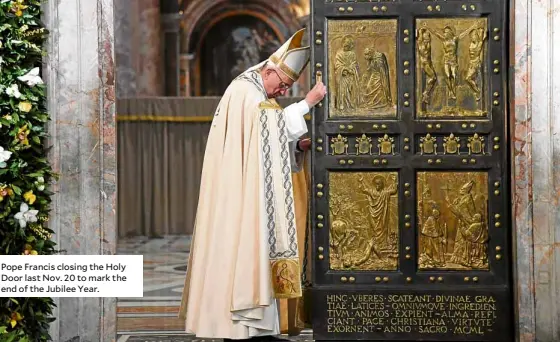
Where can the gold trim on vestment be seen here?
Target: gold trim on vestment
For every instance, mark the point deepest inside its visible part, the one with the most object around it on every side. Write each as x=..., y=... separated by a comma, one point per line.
x=269, y=104
x=286, y=278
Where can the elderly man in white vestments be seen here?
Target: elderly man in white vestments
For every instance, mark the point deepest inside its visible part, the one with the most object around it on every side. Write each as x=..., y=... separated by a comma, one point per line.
x=244, y=252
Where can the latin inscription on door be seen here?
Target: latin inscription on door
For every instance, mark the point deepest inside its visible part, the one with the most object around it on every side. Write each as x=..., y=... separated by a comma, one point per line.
x=430, y=315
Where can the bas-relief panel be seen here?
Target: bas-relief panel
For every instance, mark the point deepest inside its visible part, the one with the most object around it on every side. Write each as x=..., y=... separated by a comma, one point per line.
x=452, y=220
x=364, y=220
x=451, y=76
x=362, y=68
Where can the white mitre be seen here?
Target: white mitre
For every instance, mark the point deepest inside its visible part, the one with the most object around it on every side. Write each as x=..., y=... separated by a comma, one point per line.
x=291, y=58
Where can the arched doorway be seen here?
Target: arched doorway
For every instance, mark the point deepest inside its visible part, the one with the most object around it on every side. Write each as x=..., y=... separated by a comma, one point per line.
x=230, y=46
x=231, y=26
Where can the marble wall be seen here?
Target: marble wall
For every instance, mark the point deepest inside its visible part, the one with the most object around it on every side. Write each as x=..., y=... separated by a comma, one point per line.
x=80, y=76
x=536, y=178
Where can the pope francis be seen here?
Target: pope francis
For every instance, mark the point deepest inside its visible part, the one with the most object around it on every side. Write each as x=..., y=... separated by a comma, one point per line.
x=244, y=255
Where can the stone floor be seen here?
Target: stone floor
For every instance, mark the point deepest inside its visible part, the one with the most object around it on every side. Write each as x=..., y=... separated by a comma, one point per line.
x=153, y=318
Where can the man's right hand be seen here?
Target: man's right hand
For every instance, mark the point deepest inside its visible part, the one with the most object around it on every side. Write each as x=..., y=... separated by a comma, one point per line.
x=316, y=94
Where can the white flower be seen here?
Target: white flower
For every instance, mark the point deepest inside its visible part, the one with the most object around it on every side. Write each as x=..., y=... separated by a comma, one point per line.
x=31, y=78
x=4, y=156
x=40, y=183
x=13, y=91
x=25, y=215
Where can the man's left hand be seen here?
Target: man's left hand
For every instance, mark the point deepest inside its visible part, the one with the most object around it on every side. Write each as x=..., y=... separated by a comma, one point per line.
x=304, y=144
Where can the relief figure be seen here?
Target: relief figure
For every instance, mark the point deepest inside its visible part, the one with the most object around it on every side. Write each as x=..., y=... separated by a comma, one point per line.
x=469, y=210
x=379, y=196
x=376, y=90
x=341, y=236
x=476, y=56
x=450, y=42
x=346, y=69
x=433, y=240
x=425, y=57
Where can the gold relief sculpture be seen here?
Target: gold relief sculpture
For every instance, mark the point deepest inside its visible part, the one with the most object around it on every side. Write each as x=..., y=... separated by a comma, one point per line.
x=363, y=145
x=451, y=144
x=346, y=76
x=476, y=56
x=339, y=145
x=364, y=220
x=362, y=68
x=476, y=144
x=386, y=145
x=428, y=145
x=424, y=46
x=453, y=220
x=451, y=75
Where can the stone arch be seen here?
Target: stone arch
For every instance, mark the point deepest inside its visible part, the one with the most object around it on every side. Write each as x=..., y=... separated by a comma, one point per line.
x=199, y=17
x=194, y=13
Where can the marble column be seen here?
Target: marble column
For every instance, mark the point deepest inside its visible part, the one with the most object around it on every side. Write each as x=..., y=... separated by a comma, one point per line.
x=138, y=42
x=535, y=121
x=171, y=47
x=80, y=76
x=126, y=19
x=150, y=63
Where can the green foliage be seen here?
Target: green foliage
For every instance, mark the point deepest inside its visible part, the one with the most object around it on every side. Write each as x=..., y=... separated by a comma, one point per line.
x=24, y=169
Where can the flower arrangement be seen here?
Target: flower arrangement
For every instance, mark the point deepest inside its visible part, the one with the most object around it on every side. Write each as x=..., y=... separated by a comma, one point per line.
x=24, y=169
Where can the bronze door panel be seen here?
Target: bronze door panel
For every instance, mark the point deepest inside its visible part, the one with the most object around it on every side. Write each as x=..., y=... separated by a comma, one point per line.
x=363, y=56
x=363, y=211
x=411, y=204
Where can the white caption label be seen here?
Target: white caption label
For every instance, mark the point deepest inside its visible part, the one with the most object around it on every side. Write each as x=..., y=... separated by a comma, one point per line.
x=71, y=276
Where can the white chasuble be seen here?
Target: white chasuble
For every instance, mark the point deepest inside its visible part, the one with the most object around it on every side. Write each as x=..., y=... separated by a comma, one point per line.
x=244, y=252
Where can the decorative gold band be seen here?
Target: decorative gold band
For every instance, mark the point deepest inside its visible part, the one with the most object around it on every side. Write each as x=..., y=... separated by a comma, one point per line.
x=269, y=104
x=286, y=281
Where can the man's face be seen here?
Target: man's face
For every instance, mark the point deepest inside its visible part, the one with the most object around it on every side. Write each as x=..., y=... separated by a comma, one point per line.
x=379, y=184
x=276, y=83
x=474, y=35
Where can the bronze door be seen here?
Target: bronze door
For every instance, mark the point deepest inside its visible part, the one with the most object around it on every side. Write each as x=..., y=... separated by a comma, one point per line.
x=410, y=208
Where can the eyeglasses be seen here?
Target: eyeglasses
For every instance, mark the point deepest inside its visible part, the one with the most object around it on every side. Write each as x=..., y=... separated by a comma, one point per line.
x=282, y=85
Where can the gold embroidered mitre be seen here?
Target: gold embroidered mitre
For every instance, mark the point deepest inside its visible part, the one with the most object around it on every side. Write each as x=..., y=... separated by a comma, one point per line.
x=291, y=58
